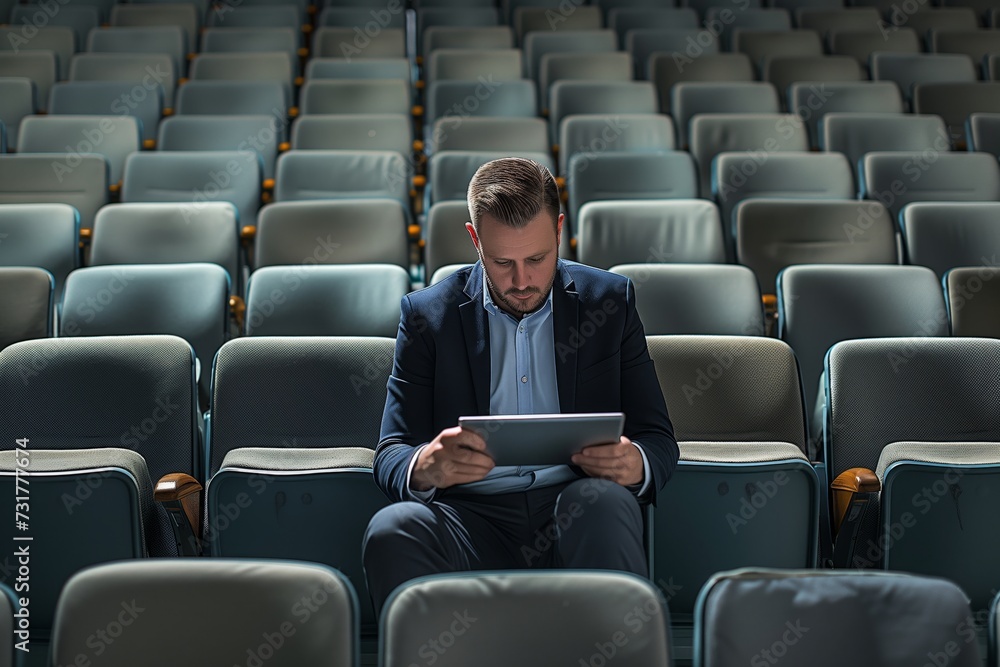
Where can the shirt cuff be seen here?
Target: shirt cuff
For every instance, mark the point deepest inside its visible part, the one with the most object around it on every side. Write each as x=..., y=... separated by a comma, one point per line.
x=646, y=476
x=428, y=495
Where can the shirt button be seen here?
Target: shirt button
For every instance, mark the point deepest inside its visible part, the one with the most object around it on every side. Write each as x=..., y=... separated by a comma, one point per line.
x=521, y=329
x=524, y=378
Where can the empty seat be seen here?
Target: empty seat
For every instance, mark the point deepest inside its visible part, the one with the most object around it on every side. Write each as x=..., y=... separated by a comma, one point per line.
x=332, y=174
x=379, y=132
x=96, y=98
x=812, y=100
x=463, y=99
x=896, y=179
x=883, y=611
x=257, y=134
x=445, y=271
x=976, y=44
x=231, y=15
x=361, y=68
x=759, y=44
x=146, y=69
x=50, y=178
x=749, y=18
x=783, y=71
x=361, y=96
x=617, y=176
x=248, y=40
x=360, y=231
x=554, y=67
x=532, y=19
x=972, y=296
x=346, y=43
x=473, y=65
x=17, y=100
x=946, y=235
x=490, y=134
x=537, y=44
x=610, y=233
x=43, y=236
x=144, y=595
x=643, y=43
x=346, y=300
x=906, y=70
x=448, y=241
x=460, y=17
x=939, y=18
x=772, y=234
x=982, y=132
x=61, y=40
x=169, y=39
x=453, y=37
x=696, y=299
x=556, y=614
x=80, y=18
x=114, y=137
x=695, y=97
x=26, y=302
x=348, y=17
x=855, y=134
x=39, y=66
x=758, y=134
x=195, y=177
x=861, y=44
x=168, y=234
x=228, y=98
x=591, y=134
x=824, y=21
x=625, y=20
x=600, y=97
x=664, y=72
x=257, y=67
x=158, y=14
x=955, y=102
x=449, y=172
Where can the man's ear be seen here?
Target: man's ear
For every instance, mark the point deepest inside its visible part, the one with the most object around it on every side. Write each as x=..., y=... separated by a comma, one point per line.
x=559, y=226
x=472, y=233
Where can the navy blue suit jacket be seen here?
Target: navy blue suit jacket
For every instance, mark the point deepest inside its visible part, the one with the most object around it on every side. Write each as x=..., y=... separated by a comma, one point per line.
x=442, y=367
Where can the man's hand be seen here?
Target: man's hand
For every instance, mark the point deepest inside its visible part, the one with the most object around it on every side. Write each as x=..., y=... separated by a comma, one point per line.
x=619, y=462
x=455, y=456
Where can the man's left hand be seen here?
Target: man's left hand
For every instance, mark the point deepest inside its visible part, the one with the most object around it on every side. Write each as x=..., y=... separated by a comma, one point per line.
x=619, y=462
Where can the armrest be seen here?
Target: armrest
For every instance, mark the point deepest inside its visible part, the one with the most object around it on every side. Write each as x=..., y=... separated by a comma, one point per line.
x=846, y=486
x=238, y=309
x=852, y=493
x=180, y=495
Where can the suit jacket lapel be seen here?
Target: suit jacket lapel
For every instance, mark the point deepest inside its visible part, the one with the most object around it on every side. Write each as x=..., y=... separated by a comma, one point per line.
x=565, y=319
x=477, y=338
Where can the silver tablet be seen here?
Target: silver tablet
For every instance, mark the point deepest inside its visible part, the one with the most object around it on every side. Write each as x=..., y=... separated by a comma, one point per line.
x=535, y=440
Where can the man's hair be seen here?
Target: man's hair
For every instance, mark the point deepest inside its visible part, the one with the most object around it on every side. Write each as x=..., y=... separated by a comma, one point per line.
x=514, y=191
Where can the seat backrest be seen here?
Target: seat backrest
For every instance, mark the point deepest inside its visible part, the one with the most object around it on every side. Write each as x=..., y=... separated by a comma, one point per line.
x=752, y=18
x=97, y=98
x=448, y=240
x=17, y=100
x=826, y=615
x=348, y=17
x=616, y=176
x=226, y=15
x=184, y=15
x=826, y=20
x=259, y=134
x=942, y=18
x=610, y=233
x=907, y=69
x=490, y=134
x=64, y=178
x=945, y=236
x=339, y=385
x=955, y=102
x=39, y=66
x=241, y=40
x=720, y=67
x=591, y=134
x=855, y=134
x=462, y=99
x=261, y=593
x=973, y=298
x=624, y=20
x=885, y=390
x=348, y=231
x=222, y=98
x=336, y=174
x=555, y=615
x=378, y=132
x=539, y=19
x=466, y=37
x=347, y=300
x=61, y=40
x=114, y=137
x=26, y=304
x=196, y=176
x=772, y=234
x=43, y=236
x=811, y=100
x=982, y=133
x=169, y=39
x=714, y=387
x=643, y=43
x=465, y=16
x=361, y=68
x=80, y=18
x=783, y=71
x=567, y=98
x=472, y=65
x=539, y=43
x=975, y=43
x=929, y=176
x=819, y=306
x=696, y=299
x=861, y=44
x=332, y=42
x=759, y=44
x=364, y=96
x=601, y=66
x=699, y=97
x=154, y=68
x=264, y=66
x=765, y=134
x=450, y=171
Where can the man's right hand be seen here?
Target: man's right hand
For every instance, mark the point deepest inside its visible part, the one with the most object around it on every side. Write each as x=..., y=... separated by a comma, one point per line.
x=455, y=456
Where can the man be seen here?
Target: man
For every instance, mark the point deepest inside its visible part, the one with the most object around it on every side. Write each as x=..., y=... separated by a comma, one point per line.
x=520, y=332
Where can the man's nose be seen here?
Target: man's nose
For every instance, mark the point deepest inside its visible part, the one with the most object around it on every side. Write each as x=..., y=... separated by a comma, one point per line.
x=520, y=276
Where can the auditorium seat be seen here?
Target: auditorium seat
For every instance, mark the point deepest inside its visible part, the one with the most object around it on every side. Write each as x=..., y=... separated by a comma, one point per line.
x=445, y=271
x=955, y=102
x=489, y=134
x=973, y=298
x=811, y=617
x=81, y=18
x=528, y=618
x=347, y=231
x=41, y=235
x=537, y=44
x=448, y=240
x=749, y=18
x=812, y=100
x=567, y=98
x=257, y=67
x=591, y=134
x=664, y=71
x=357, y=96
x=699, y=299
x=343, y=174
x=17, y=100
x=772, y=234
x=783, y=71
x=158, y=14
x=625, y=20
x=824, y=20
x=331, y=42
x=940, y=18
x=975, y=43
x=306, y=456
x=97, y=98
x=228, y=611
x=759, y=44
x=855, y=134
x=982, y=133
x=245, y=40
x=61, y=40
x=612, y=66
x=169, y=39
x=449, y=172
x=375, y=131
x=819, y=306
x=42, y=178
x=195, y=177
x=946, y=235
x=113, y=137
x=347, y=17
x=909, y=69
x=360, y=68
x=474, y=99
x=499, y=65
x=610, y=233
x=687, y=99
x=466, y=37
x=138, y=69
x=527, y=20
x=930, y=176
x=259, y=134
x=861, y=44
x=257, y=16
x=39, y=66
x=345, y=300
x=643, y=43
x=462, y=17
x=26, y=302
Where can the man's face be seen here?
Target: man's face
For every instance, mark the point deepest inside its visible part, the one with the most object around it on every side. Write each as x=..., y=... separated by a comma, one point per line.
x=520, y=263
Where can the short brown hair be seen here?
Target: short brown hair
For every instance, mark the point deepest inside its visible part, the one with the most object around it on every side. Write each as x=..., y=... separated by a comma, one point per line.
x=514, y=191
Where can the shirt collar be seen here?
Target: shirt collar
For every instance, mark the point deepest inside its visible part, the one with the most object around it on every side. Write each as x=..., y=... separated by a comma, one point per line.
x=494, y=309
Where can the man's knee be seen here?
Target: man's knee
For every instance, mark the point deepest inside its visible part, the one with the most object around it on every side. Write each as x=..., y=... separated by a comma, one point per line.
x=590, y=501
x=394, y=523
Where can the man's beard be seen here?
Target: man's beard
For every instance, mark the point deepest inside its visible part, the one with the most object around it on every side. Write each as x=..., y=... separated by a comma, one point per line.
x=515, y=305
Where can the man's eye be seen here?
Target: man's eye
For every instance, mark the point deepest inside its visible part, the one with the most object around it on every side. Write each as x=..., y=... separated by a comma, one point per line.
x=502, y=262
x=535, y=260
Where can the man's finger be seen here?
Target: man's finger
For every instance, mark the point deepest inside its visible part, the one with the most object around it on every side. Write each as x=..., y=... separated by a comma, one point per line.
x=612, y=451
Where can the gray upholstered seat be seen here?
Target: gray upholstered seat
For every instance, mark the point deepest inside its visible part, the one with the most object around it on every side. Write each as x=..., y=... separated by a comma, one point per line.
x=942, y=18
x=243, y=40
x=591, y=134
x=783, y=71
x=609, y=233
x=690, y=98
x=759, y=44
x=231, y=98
x=972, y=41
x=467, y=37
x=137, y=67
x=696, y=299
x=945, y=235
x=368, y=231
x=343, y=174
x=973, y=297
x=17, y=100
x=260, y=134
x=861, y=44
x=983, y=133
x=460, y=16
x=80, y=18
x=355, y=132
x=599, y=66
x=358, y=68
x=539, y=19
x=567, y=98
x=41, y=235
x=114, y=137
x=265, y=66
x=631, y=18
x=489, y=134
x=907, y=69
x=334, y=42
x=461, y=100
x=772, y=234
x=37, y=178
x=826, y=19
x=169, y=39
x=539, y=43
x=855, y=134
x=184, y=15
x=39, y=66
x=469, y=64
x=748, y=18
x=96, y=98
x=450, y=171
x=197, y=177
x=26, y=303
x=644, y=42
x=228, y=612
x=813, y=99
x=448, y=241
x=444, y=271
x=884, y=619
x=61, y=40
x=528, y=618
x=952, y=177
x=255, y=15
x=345, y=300
x=955, y=102
x=719, y=67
